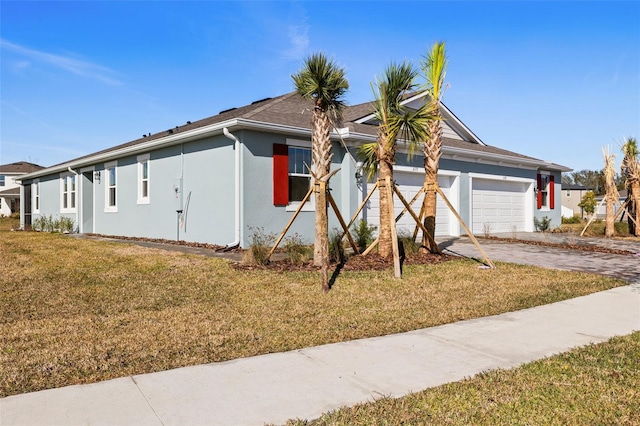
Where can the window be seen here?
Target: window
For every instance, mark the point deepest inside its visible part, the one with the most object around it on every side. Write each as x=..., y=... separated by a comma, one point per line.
x=68, y=193
x=545, y=196
x=111, y=195
x=291, y=177
x=299, y=176
x=143, y=179
x=36, y=197
x=2, y=182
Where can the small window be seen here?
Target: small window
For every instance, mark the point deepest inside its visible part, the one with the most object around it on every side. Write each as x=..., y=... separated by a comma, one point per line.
x=143, y=179
x=111, y=194
x=2, y=180
x=299, y=176
x=36, y=197
x=68, y=193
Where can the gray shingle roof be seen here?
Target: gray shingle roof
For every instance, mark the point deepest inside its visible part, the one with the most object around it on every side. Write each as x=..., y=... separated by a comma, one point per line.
x=20, y=167
x=291, y=110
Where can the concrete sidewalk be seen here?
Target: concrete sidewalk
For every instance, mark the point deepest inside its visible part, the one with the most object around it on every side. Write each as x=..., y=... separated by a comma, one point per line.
x=305, y=383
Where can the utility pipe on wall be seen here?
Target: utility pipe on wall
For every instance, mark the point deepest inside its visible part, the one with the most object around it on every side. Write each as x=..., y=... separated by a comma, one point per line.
x=236, y=241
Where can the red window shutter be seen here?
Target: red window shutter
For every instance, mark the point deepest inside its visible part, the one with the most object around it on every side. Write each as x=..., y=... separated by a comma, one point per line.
x=551, y=192
x=539, y=193
x=280, y=174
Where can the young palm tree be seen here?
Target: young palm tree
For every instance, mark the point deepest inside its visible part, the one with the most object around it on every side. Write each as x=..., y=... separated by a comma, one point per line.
x=396, y=121
x=630, y=170
x=611, y=192
x=323, y=82
x=434, y=68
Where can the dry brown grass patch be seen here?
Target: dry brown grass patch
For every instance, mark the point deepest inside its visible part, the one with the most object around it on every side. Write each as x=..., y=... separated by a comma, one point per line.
x=79, y=311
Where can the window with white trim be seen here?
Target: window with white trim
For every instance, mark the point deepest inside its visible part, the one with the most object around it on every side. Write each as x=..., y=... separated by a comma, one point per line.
x=299, y=176
x=111, y=188
x=143, y=179
x=68, y=193
x=36, y=196
x=2, y=180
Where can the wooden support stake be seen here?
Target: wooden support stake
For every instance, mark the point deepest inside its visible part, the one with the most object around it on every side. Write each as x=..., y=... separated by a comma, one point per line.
x=418, y=223
x=344, y=225
x=623, y=208
x=593, y=216
x=371, y=246
x=469, y=233
x=304, y=200
x=355, y=216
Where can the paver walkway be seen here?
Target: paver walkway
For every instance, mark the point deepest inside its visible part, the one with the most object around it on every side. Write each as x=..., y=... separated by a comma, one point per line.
x=626, y=267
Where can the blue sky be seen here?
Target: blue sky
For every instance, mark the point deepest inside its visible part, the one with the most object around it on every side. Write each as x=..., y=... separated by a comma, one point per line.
x=554, y=80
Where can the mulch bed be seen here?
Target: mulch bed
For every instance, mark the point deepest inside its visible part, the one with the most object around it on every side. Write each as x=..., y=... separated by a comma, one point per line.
x=582, y=247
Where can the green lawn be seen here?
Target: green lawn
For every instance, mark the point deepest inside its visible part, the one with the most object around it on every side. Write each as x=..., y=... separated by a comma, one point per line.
x=78, y=311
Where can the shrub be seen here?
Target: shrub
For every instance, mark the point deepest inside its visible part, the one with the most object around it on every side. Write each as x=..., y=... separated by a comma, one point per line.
x=363, y=234
x=297, y=251
x=261, y=243
x=336, y=248
x=542, y=225
x=410, y=245
x=571, y=220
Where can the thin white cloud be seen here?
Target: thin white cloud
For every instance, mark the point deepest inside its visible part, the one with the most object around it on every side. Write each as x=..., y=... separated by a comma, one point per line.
x=298, y=40
x=75, y=66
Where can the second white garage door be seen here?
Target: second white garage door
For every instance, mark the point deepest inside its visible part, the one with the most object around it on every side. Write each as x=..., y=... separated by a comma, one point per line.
x=499, y=206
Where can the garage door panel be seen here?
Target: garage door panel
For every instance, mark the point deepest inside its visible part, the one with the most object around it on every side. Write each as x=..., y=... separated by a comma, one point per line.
x=498, y=205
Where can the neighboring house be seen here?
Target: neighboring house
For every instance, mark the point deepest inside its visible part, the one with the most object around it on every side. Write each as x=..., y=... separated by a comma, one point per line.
x=571, y=197
x=601, y=213
x=220, y=179
x=10, y=188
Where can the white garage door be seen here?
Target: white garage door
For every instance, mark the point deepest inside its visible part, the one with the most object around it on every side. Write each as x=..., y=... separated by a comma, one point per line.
x=409, y=184
x=498, y=206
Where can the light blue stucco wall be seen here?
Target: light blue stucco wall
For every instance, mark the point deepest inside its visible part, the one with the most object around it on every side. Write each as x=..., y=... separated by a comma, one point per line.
x=258, y=210
x=205, y=169
x=199, y=171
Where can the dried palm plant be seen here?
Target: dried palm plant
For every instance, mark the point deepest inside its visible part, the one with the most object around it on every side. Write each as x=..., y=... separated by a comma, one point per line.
x=611, y=191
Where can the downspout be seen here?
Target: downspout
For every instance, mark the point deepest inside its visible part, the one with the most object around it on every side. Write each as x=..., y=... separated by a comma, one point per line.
x=236, y=241
x=77, y=197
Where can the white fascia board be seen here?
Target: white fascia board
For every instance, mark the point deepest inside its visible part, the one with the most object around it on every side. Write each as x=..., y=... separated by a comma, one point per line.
x=406, y=101
x=451, y=118
x=182, y=137
x=174, y=139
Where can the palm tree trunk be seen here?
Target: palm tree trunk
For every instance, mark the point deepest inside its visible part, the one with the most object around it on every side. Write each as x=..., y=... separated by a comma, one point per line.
x=321, y=152
x=432, y=154
x=385, y=246
x=634, y=208
x=609, y=230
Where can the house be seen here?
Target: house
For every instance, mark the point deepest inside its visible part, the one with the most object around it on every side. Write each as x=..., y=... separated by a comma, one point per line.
x=220, y=179
x=601, y=206
x=10, y=188
x=571, y=197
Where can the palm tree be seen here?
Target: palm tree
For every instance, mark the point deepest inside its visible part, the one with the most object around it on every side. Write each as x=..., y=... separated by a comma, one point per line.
x=630, y=170
x=611, y=192
x=396, y=121
x=323, y=82
x=434, y=68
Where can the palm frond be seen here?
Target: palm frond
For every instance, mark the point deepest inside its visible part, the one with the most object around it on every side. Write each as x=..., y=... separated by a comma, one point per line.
x=368, y=153
x=322, y=81
x=434, y=67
